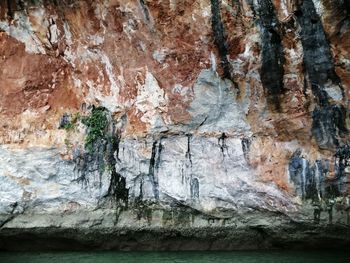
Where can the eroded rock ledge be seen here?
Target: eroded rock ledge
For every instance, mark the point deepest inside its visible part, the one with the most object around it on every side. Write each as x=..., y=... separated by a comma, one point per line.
x=293, y=236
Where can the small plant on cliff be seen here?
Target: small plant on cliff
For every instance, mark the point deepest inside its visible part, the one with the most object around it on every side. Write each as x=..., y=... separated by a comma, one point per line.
x=96, y=124
x=68, y=143
x=69, y=122
x=69, y=126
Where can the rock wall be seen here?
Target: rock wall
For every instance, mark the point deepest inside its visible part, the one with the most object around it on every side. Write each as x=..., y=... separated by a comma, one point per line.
x=175, y=114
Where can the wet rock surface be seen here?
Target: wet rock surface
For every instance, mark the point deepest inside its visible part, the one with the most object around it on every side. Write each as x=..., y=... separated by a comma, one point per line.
x=175, y=239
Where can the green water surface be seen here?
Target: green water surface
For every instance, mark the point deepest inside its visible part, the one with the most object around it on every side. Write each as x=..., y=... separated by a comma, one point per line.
x=177, y=257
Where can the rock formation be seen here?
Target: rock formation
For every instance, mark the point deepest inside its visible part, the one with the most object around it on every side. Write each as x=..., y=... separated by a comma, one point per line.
x=208, y=124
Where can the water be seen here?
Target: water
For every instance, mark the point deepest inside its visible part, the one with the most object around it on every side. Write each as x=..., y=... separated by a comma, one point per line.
x=177, y=257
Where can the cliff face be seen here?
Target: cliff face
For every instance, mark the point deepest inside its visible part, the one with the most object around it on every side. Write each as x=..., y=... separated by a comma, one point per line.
x=174, y=114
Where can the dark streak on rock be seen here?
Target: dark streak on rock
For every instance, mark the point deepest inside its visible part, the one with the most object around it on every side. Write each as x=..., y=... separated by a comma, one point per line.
x=272, y=52
x=342, y=157
x=220, y=38
x=151, y=173
x=102, y=156
x=194, y=189
x=317, y=57
x=188, y=152
x=246, y=142
x=295, y=168
x=160, y=148
x=347, y=6
x=65, y=120
x=10, y=8
x=328, y=125
x=311, y=181
x=140, y=197
x=328, y=120
x=222, y=143
x=117, y=187
x=145, y=10
x=12, y=215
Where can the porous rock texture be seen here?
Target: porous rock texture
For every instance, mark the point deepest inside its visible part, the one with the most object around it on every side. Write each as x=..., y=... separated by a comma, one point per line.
x=224, y=124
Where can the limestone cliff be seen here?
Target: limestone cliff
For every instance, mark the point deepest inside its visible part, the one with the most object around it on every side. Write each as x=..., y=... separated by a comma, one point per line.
x=229, y=118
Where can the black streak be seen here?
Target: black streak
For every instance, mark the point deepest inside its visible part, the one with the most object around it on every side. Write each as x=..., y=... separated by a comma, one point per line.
x=12, y=215
x=312, y=182
x=160, y=148
x=272, y=52
x=328, y=120
x=188, y=152
x=10, y=11
x=328, y=125
x=317, y=57
x=220, y=37
x=222, y=142
x=117, y=186
x=145, y=10
x=151, y=173
x=246, y=142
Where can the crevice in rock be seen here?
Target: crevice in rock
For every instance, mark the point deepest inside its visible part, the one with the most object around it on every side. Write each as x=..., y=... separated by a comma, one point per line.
x=202, y=123
x=151, y=171
x=220, y=38
x=12, y=215
x=222, y=143
x=160, y=149
x=188, y=154
x=145, y=10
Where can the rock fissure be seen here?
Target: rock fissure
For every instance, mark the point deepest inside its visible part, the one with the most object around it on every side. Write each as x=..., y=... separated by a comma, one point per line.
x=153, y=163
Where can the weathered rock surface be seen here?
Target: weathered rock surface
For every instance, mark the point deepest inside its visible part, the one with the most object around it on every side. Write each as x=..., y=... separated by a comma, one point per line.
x=206, y=124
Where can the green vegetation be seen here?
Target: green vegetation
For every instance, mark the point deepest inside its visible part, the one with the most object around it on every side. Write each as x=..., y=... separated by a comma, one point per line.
x=108, y=168
x=76, y=117
x=68, y=143
x=96, y=124
x=69, y=126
